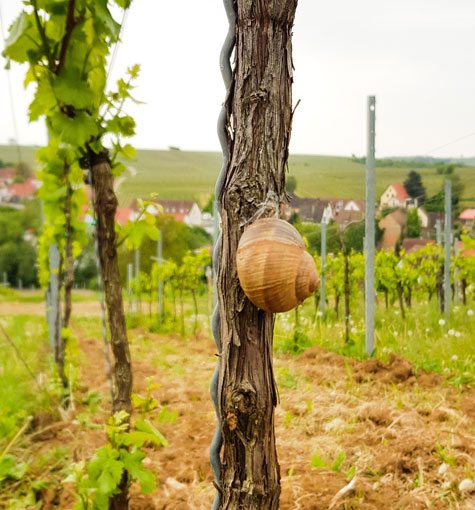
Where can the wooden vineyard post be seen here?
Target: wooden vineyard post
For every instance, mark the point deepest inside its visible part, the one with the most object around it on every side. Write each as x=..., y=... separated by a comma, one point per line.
x=105, y=207
x=258, y=129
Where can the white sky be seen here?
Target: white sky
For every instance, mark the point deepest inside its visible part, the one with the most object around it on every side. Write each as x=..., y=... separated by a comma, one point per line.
x=416, y=56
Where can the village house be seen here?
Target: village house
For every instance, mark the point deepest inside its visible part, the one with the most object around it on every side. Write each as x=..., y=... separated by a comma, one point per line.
x=342, y=204
x=412, y=245
x=345, y=217
x=395, y=195
x=7, y=175
x=313, y=210
x=467, y=218
x=19, y=191
x=12, y=192
x=429, y=223
x=124, y=214
x=393, y=225
x=186, y=211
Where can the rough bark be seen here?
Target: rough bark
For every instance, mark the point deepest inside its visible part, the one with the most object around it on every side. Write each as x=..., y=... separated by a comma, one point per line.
x=346, y=268
x=68, y=258
x=259, y=125
x=401, y=301
x=440, y=288
x=105, y=206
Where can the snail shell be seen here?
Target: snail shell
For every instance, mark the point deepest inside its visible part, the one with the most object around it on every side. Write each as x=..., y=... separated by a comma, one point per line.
x=274, y=270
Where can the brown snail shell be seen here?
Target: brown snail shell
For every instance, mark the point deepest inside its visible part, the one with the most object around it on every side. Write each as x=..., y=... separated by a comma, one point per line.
x=274, y=270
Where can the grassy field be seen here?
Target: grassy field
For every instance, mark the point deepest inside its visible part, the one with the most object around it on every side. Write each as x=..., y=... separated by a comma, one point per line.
x=191, y=175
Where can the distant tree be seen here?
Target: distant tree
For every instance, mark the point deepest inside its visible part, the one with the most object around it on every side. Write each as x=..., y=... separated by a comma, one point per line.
x=294, y=218
x=209, y=204
x=445, y=169
x=178, y=240
x=413, y=227
x=437, y=201
x=414, y=187
x=17, y=256
x=23, y=171
x=291, y=184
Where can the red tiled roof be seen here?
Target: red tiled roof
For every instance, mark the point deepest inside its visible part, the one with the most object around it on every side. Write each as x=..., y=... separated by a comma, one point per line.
x=400, y=190
x=123, y=215
x=411, y=245
x=346, y=217
x=468, y=214
x=22, y=189
x=7, y=173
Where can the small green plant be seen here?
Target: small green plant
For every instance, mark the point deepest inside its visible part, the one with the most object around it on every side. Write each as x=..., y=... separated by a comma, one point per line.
x=441, y=453
x=167, y=415
x=338, y=462
x=11, y=468
x=286, y=379
x=318, y=461
x=145, y=404
x=99, y=479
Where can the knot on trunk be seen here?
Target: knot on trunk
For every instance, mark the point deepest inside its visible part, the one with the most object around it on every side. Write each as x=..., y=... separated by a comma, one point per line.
x=244, y=399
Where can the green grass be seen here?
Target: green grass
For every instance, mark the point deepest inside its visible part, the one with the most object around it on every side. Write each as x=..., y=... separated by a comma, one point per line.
x=445, y=347
x=19, y=392
x=192, y=175
x=38, y=296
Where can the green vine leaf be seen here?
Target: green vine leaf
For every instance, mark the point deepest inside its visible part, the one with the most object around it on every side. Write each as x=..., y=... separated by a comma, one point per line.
x=72, y=90
x=21, y=41
x=134, y=466
x=43, y=102
x=76, y=130
x=105, y=470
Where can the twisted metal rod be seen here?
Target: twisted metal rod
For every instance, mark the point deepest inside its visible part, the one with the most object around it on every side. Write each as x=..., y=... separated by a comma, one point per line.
x=223, y=135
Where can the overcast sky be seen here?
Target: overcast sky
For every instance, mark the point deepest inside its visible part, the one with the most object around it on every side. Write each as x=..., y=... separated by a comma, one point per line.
x=416, y=56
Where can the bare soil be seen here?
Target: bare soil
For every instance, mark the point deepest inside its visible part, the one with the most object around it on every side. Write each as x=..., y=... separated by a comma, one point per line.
x=89, y=308
x=408, y=439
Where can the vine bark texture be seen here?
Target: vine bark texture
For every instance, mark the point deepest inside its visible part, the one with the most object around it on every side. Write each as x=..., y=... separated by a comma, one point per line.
x=259, y=128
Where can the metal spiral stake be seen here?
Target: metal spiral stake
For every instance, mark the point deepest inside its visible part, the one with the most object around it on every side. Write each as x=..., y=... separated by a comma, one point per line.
x=223, y=135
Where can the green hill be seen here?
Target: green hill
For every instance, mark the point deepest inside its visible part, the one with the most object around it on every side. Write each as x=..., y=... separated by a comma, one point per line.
x=191, y=175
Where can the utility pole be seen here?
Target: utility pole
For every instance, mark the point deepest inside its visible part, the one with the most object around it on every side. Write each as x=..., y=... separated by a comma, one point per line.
x=447, y=245
x=323, y=268
x=369, y=239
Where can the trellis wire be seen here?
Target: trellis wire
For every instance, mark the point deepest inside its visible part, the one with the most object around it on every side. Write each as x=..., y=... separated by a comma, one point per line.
x=227, y=74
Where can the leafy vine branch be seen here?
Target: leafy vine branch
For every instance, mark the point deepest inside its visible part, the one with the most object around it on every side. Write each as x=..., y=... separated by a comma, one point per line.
x=69, y=69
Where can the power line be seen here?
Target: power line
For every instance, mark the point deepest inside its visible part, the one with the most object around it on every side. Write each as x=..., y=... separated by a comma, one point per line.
x=10, y=93
x=114, y=51
x=450, y=143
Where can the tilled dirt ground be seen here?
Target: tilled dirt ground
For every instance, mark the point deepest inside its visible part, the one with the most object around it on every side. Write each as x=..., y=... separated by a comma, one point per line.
x=382, y=436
